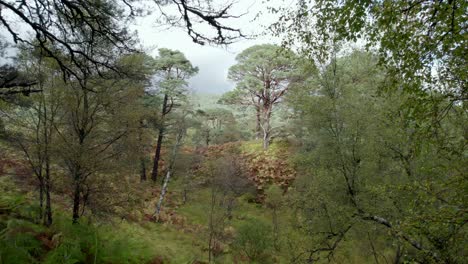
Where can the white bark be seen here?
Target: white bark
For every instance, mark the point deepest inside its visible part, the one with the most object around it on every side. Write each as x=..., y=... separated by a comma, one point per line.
x=157, y=213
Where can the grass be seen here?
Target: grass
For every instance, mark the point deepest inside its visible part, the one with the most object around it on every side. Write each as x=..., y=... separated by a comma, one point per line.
x=165, y=241
x=117, y=241
x=141, y=241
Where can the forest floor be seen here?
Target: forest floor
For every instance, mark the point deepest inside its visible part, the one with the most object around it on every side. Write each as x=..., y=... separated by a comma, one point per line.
x=182, y=234
x=194, y=213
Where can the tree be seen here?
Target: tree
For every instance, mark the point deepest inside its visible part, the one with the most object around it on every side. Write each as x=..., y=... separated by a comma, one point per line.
x=94, y=22
x=173, y=70
x=181, y=128
x=203, y=12
x=421, y=46
x=146, y=111
x=145, y=107
x=263, y=74
x=97, y=117
x=421, y=41
x=254, y=240
x=32, y=126
x=370, y=163
x=11, y=78
x=217, y=126
x=227, y=181
x=91, y=23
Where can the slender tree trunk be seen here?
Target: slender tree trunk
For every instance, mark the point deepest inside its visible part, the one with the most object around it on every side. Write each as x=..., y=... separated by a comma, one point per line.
x=398, y=255
x=266, y=127
x=76, y=198
x=47, y=141
x=210, y=247
x=82, y=134
x=207, y=139
x=374, y=252
x=157, y=155
x=142, y=169
x=41, y=197
x=211, y=223
x=266, y=108
x=168, y=175
x=48, y=207
x=84, y=200
x=184, y=197
x=258, y=127
x=162, y=195
x=266, y=140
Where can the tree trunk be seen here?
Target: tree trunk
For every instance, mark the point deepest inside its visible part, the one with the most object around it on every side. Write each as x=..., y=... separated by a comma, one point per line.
x=211, y=223
x=41, y=198
x=258, y=128
x=48, y=207
x=266, y=140
x=82, y=134
x=207, y=138
x=185, y=196
x=157, y=154
x=266, y=127
x=168, y=175
x=398, y=255
x=142, y=169
x=162, y=195
x=76, y=199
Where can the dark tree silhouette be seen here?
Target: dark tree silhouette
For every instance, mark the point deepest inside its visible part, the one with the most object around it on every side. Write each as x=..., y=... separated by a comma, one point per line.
x=65, y=29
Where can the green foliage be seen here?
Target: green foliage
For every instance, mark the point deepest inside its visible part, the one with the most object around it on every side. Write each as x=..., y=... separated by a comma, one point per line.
x=10, y=200
x=422, y=42
x=67, y=243
x=369, y=157
x=216, y=126
x=263, y=75
x=92, y=244
x=173, y=70
x=254, y=239
x=274, y=197
x=367, y=161
x=18, y=243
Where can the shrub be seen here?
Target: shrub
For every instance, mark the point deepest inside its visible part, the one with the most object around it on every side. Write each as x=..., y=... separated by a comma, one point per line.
x=254, y=239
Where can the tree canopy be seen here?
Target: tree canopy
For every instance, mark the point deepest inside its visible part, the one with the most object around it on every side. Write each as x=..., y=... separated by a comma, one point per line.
x=263, y=74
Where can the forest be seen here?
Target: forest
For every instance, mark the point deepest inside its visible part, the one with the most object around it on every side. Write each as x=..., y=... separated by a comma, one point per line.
x=342, y=140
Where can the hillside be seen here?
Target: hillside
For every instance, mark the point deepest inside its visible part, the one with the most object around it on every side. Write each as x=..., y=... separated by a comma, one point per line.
x=181, y=234
x=341, y=136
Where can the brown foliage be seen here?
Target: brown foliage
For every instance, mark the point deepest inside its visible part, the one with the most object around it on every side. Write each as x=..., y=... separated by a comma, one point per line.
x=18, y=167
x=265, y=168
x=49, y=240
x=157, y=260
x=261, y=167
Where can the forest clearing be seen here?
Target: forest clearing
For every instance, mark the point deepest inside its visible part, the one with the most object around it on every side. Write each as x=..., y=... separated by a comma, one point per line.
x=264, y=132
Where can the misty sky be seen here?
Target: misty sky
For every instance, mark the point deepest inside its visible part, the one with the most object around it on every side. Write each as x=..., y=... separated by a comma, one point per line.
x=213, y=62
